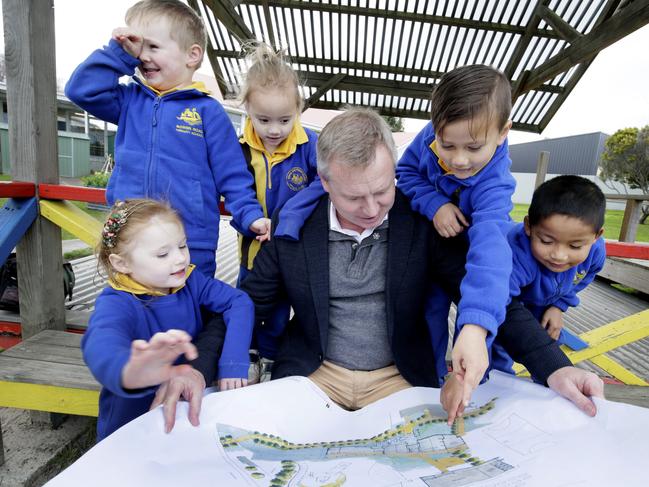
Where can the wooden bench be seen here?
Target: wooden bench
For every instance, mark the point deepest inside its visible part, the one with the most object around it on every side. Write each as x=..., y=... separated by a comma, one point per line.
x=46, y=373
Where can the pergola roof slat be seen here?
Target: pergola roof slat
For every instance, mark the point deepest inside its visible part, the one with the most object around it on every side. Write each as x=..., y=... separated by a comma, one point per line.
x=390, y=53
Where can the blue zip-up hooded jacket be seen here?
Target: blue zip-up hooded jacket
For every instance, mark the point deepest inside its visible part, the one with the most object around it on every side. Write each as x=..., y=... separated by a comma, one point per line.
x=178, y=146
x=279, y=177
x=485, y=200
x=121, y=317
x=537, y=287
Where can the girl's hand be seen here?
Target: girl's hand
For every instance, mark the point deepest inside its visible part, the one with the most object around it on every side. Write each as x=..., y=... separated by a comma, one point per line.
x=151, y=363
x=449, y=221
x=261, y=227
x=131, y=41
x=228, y=384
x=470, y=359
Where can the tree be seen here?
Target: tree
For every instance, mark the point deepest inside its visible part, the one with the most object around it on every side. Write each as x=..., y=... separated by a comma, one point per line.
x=395, y=123
x=626, y=160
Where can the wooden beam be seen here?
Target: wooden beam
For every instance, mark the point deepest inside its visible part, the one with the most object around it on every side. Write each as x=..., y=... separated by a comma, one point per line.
x=563, y=28
x=624, y=22
x=77, y=222
x=269, y=25
x=74, y=193
x=209, y=51
x=225, y=12
x=630, y=220
x=17, y=189
x=401, y=14
x=629, y=273
x=360, y=66
x=370, y=85
x=326, y=86
x=542, y=168
x=524, y=41
x=31, y=96
x=627, y=250
x=16, y=216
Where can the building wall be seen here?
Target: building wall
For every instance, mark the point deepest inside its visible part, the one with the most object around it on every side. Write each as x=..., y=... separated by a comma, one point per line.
x=577, y=154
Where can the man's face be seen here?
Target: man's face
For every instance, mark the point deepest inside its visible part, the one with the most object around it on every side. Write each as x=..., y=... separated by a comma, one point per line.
x=362, y=196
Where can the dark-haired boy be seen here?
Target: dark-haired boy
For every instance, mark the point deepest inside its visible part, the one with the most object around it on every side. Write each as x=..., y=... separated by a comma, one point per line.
x=456, y=173
x=557, y=251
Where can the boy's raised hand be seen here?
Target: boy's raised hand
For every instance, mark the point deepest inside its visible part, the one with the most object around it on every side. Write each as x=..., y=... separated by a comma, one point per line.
x=470, y=359
x=261, y=226
x=151, y=363
x=449, y=221
x=552, y=321
x=228, y=384
x=451, y=397
x=131, y=41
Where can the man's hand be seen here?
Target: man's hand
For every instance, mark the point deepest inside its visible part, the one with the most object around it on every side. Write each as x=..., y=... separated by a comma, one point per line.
x=228, y=384
x=131, y=41
x=578, y=386
x=451, y=397
x=470, y=359
x=188, y=386
x=261, y=226
x=449, y=221
x=151, y=363
x=552, y=321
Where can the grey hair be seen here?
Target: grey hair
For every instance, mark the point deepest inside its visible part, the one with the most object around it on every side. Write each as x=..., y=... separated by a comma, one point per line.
x=352, y=139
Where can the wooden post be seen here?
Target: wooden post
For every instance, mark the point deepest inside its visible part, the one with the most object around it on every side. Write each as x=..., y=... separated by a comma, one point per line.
x=542, y=168
x=31, y=99
x=630, y=220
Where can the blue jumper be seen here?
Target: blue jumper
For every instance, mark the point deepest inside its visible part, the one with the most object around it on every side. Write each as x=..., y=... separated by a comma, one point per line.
x=177, y=146
x=538, y=288
x=121, y=317
x=485, y=200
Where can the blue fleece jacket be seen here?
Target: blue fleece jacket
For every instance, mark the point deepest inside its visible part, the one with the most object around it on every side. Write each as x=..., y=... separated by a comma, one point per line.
x=537, y=287
x=279, y=177
x=121, y=317
x=485, y=200
x=179, y=146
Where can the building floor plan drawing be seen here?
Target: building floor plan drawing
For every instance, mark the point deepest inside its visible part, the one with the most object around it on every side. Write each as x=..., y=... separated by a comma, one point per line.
x=288, y=433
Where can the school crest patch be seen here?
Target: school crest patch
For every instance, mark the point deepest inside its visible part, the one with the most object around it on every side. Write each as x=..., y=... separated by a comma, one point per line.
x=296, y=179
x=193, y=123
x=579, y=276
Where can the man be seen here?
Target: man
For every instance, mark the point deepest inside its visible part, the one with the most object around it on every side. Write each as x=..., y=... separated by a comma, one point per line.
x=357, y=281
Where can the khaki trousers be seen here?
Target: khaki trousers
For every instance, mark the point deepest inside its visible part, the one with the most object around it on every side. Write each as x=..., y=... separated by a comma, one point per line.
x=354, y=389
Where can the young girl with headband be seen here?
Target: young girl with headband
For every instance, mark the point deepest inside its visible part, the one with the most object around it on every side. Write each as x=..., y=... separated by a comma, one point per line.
x=148, y=314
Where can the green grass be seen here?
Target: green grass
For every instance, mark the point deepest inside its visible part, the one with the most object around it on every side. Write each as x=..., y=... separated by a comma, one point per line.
x=612, y=223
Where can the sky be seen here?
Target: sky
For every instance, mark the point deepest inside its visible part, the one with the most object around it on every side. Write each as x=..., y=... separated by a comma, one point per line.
x=613, y=93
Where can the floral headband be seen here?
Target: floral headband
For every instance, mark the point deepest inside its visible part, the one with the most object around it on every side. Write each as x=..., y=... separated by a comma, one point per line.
x=114, y=223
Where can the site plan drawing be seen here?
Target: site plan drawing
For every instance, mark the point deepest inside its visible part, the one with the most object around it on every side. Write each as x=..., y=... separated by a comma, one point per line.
x=287, y=433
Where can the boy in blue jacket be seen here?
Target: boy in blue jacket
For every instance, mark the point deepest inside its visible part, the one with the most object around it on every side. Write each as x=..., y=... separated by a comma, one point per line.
x=174, y=142
x=557, y=252
x=456, y=173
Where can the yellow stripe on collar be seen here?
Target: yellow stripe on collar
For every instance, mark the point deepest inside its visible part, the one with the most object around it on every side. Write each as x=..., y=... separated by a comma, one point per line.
x=123, y=282
x=442, y=164
x=196, y=85
x=285, y=149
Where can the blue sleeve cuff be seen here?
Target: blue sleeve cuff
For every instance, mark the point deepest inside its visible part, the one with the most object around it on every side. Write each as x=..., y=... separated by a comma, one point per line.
x=230, y=369
x=117, y=49
x=482, y=319
x=288, y=228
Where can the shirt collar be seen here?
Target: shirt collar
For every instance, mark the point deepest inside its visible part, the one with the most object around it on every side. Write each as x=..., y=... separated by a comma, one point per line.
x=196, y=85
x=296, y=136
x=122, y=282
x=334, y=224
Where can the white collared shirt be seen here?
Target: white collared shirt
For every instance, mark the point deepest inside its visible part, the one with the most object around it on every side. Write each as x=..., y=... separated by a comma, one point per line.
x=334, y=225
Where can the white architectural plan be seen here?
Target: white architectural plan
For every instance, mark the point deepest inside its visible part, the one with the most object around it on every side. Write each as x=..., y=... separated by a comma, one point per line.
x=288, y=433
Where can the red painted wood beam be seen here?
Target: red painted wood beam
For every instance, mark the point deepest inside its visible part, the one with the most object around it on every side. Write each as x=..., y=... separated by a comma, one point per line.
x=17, y=189
x=627, y=250
x=74, y=193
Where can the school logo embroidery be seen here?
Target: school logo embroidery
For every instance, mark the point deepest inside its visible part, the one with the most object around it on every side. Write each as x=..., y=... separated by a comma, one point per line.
x=296, y=179
x=191, y=117
x=193, y=123
x=578, y=277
